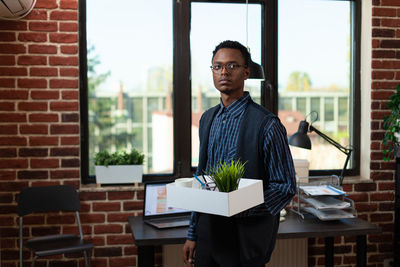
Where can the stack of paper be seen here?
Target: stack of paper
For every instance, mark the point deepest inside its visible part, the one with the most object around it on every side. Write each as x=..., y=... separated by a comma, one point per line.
x=326, y=202
x=322, y=190
x=326, y=215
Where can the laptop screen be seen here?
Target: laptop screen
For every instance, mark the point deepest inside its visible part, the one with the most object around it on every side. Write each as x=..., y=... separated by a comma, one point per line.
x=155, y=201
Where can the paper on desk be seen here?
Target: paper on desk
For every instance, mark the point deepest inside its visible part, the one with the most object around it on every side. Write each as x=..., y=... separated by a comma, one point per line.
x=321, y=190
x=326, y=202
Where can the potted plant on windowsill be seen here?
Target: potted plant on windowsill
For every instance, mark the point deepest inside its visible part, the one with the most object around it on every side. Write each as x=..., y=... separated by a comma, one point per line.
x=119, y=167
x=391, y=123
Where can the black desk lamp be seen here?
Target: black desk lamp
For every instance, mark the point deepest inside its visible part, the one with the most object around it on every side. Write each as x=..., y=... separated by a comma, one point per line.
x=301, y=139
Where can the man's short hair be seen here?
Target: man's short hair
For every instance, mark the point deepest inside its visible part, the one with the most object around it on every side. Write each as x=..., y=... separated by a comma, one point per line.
x=234, y=45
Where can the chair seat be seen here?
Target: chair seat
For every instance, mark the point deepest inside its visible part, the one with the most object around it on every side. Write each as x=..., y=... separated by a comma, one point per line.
x=57, y=244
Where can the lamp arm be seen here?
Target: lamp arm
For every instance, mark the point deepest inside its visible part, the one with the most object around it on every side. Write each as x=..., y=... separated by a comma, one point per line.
x=345, y=150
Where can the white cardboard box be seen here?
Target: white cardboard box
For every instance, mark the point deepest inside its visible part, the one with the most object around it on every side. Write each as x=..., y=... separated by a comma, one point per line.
x=249, y=194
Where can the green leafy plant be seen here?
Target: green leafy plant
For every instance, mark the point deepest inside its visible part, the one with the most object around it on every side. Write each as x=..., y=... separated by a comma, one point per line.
x=391, y=123
x=226, y=176
x=104, y=158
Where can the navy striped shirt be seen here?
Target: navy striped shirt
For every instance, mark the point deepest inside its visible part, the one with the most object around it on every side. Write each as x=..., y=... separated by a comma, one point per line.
x=222, y=147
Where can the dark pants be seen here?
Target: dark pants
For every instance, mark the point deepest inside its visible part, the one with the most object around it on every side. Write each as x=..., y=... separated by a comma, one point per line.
x=235, y=242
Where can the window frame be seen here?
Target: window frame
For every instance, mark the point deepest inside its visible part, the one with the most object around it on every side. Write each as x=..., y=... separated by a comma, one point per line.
x=182, y=84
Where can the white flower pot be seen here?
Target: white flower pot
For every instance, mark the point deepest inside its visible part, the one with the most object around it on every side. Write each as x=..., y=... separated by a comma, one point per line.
x=119, y=174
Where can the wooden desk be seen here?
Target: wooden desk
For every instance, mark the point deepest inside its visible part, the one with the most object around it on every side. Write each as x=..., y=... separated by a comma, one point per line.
x=146, y=237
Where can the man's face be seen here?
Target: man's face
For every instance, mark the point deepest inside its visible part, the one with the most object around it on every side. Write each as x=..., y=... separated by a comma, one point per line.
x=229, y=81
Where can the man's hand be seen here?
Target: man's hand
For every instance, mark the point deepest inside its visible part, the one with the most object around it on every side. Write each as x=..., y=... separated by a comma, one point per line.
x=188, y=252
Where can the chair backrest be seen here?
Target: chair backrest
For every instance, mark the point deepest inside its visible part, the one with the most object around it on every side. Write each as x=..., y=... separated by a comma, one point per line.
x=48, y=198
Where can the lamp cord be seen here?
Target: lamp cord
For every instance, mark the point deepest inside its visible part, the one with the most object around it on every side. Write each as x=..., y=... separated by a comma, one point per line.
x=247, y=24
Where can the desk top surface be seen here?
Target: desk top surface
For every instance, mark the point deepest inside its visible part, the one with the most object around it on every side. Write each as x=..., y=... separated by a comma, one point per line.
x=292, y=227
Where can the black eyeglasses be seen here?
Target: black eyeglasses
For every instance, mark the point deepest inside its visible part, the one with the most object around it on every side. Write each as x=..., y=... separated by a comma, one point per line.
x=228, y=67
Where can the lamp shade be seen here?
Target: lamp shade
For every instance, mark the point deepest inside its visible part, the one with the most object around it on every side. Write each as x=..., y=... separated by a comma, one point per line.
x=300, y=138
x=256, y=71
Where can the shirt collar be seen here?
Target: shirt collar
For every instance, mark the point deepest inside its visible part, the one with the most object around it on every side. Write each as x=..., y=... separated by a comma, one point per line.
x=236, y=107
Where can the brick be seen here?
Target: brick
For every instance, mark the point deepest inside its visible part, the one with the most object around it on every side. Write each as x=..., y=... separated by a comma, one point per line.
x=7, y=83
x=385, y=64
x=70, y=163
x=390, y=43
x=67, y=38
x=32, y=37
x=32, y=106
x=64, y=83
x=67, y=141
x=44, y=163
x=7, y=60
x=8, y=152
x=363, y=197
x=43, y=26
x=69, y=4
x=376, y=22
x=48, y=4
x=12, y=71
x=390, y=3
x=386, y=186
x=13, y=25
x=44, y=94
x=140, y=195
x=33, y=175
x=133, y=205
x=390, y=23
x=7, y=36
x=64, y=151
x=375, y=43
x=384, y=54
x=380, y=95
x=119, y=217
x=383, y=33
x=43, y=72
x=9, y=129
x=131, y=250
x=70, y=95
x=45, y=230
x=64, y=106
x=382, y=196
x=384, y=85
x=109, y=206
x=383, y=12
x=71, y=49
x=33, y=152
x=34, y=129
x=32, y=83
x=98, y=241
x=43, y=141
x=61, y=219
x=12, y=141
x=69, y=27
x=13, y=163
x=92, y=218
x=381, y=176
x=84, y=196
x=12, y=49
x=63, y=61
x=121, y=195
x=365, y=187
x=108, y=229
x=41, y=117
x=64, y=129
x=381, y=217
x=32, y=60
x=121, y=262
x=366, y=207
x=44, y=183
x=69, y=72
x=7, y=106
x=7, y=175
x=67, y=174
x=70, y=117
x=12, y=117
x=386, y=206
x=37, y=15
x=42, y=49
x=64, y=15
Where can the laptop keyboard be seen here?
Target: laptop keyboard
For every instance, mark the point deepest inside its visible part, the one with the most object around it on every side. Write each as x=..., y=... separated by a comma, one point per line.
x=169, y=219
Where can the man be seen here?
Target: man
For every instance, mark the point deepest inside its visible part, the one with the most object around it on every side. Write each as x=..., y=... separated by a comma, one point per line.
x=238, y=128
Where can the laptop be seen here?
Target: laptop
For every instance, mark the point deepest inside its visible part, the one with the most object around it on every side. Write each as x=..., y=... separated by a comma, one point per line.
x=155, y=210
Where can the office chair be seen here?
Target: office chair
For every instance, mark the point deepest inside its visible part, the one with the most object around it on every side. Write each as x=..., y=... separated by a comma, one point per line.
x=49, y=199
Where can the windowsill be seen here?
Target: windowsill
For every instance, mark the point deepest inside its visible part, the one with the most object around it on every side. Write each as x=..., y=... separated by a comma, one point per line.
x=108, y=188
x=356, y=180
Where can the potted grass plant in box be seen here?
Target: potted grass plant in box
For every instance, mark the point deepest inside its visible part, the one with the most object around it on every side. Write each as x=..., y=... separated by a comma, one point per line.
x=119, y=167
x=226, y=176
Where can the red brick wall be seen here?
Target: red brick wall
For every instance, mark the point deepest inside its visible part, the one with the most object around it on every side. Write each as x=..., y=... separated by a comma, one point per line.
x=39, y=139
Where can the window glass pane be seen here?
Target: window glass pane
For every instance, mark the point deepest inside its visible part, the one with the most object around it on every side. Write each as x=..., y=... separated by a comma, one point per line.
x=130, y=79
x=314, y=72
x=212, y=23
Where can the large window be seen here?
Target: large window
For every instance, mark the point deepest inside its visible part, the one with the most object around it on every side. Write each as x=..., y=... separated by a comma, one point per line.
x=145, y=75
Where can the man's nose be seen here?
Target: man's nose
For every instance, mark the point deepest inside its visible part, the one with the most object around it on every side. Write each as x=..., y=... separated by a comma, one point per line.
x=224, y=70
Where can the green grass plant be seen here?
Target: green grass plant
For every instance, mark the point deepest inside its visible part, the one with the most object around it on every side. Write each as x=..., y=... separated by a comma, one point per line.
x=104, y=158
x=226, y=176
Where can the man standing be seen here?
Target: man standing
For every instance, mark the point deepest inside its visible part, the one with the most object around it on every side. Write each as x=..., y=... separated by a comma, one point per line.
x=238, y=128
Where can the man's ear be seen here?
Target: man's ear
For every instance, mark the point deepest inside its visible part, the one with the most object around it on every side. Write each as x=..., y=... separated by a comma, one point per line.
x=246, y=73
